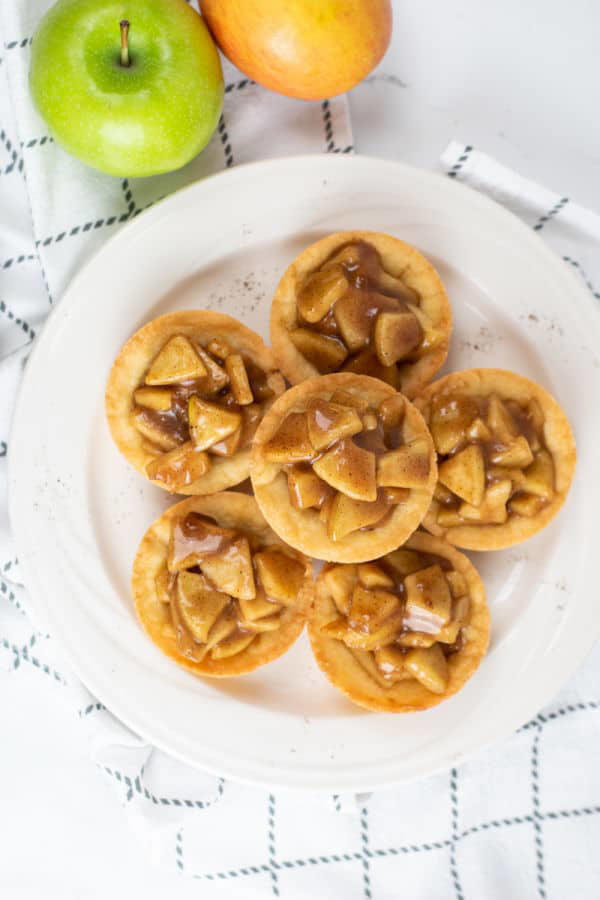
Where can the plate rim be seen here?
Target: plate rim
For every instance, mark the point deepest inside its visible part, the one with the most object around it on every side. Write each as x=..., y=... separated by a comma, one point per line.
x=36, y=605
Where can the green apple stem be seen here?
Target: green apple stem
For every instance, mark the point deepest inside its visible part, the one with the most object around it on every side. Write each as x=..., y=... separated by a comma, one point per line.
x=124, y=24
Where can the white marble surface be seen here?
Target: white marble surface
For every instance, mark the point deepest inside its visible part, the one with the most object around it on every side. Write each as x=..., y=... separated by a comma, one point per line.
x=520, y=81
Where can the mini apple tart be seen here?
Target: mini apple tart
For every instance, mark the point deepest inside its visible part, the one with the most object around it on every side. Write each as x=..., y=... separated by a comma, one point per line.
x=185, y=396
x=216, y=590
x=405, y=632
x=359, y=301
x=506, y=456
x=343, y=467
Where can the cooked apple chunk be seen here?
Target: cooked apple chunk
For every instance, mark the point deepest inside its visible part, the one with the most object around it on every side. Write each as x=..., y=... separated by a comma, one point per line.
x=231, y=571
x=492, y=509
x=251, y=418
x=367, y=363
x=291, y=442
x=390, y=660
x=429, y=666
x=517, y=453
x=371, y=575
x=349, y=469
x=464, y=474
x=259, y=626
x=347, y=515
x=326, y=353
x=216, y=376
x=180, y=467
x=226, y=625
x=238, y=379
x=500, y=420
x=355, y=401
x=416, y=639
x=428, y=600
x=153, y=432
x=177, y=361
x=341, y=581
x=371, y=607
x=337, y=628
x=539, y=476
x=193, y=539
x=396, y=495
x=395, y=335
x=229, y=445
x=391, y=411
x=199, y=604
x=380, y=637
x=526, y=504
x=280, y=575
x=406, y=467
x=258, y=608
x=210, y=423
x=328, y=423
x=451, y=416
x=404, y=562
x=449, y=518
x=458, y=584
x=157, y=398
x=479, y=432
x=354, y=316
x=232, y=645
x=306, y=490
x=319, y=291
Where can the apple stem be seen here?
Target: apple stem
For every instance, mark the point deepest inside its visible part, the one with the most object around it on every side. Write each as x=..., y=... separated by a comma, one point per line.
x=124, y=24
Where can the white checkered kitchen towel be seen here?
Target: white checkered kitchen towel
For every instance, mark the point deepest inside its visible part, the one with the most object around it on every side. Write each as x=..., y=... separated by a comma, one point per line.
x=520, y=821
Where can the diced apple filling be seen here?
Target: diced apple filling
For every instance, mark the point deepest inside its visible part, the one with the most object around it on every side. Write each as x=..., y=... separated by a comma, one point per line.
x=503, y=469
x=208, y=580
x=399, y=626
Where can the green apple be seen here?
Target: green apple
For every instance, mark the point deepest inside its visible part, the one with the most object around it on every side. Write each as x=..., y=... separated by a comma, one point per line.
x=131, y=87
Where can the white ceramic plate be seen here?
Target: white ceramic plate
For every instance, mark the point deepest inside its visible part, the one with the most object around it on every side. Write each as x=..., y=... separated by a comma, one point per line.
x=79, y=511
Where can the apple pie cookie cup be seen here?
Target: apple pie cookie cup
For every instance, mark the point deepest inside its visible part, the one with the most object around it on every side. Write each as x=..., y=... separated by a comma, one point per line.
x=506, y=457
x=185, y=396
x=343, y=467
x=216, y=590
x=405, y=632
x=363, y=302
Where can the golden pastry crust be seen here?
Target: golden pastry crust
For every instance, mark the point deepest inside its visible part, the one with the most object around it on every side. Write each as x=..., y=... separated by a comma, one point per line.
x=128, y=373
x=303, y=529
x=400, y=260
x=558, y=438
x=230, y=510
x=344, y=671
